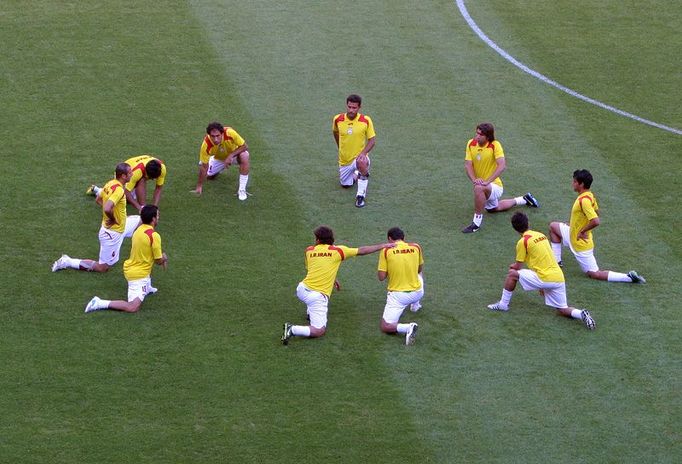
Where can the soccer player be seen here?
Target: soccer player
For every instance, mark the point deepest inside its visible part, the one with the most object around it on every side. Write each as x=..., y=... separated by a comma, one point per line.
x=484, y=162
x=137, y=269
x=543, y=273
x=115, y=226
x=143, y=167
x=577, y=235
x=403, y=266
x=322, y=262
x=355, y=138
x=222, y=147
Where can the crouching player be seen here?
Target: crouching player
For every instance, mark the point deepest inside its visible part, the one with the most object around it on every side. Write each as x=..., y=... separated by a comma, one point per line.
x=145, y=251
x=543, y=273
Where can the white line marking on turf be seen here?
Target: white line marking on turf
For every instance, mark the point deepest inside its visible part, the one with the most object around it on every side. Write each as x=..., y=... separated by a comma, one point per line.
x=472, y=24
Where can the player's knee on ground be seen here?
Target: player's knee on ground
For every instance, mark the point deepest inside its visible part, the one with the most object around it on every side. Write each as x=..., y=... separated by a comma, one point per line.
x=387, y=327
x=134, y=306
x=594, y=275
x=317, y=331
x=100, y=267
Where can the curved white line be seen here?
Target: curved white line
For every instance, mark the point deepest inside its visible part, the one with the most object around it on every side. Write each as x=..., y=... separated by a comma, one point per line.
x=547, y=80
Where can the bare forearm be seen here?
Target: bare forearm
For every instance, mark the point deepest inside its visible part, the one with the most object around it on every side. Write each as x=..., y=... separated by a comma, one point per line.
x=365, y=250
x=157, y=196
x=203, y=169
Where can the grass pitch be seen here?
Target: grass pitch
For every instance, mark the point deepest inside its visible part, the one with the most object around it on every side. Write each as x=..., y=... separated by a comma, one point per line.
x=199, y=374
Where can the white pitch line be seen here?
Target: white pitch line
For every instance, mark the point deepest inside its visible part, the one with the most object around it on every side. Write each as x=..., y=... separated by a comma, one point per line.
x=472, y=24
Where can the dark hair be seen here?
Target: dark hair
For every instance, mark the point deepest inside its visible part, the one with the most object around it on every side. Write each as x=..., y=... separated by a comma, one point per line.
x=488, y=130
x=353, y=98
x=583, y=176
x=324, y=235
x=519, y=222
x=122, y=169
x=148, y=213
x=215, y=125
x=396, y=233
x=153, y=169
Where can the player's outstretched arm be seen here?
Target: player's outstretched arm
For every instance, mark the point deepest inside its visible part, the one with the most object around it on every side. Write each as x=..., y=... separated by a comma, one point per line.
x=365, y=250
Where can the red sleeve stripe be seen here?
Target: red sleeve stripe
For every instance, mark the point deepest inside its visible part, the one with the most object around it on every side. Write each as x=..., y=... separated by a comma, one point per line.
x=363, y=119
x=141, y=167
x=525, y=241
x=343, y=256
x=150, y=233
x=208, y=142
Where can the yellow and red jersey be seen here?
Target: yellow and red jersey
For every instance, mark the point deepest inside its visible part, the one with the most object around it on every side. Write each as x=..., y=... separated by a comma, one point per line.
x=138, y=166
x=146, y=248
x=402, y=265
x=231, y=141
x=353, y=135
x=115, y=192
x=534, y=249
x=484, y=158
x=322, y=262
x=585, y=208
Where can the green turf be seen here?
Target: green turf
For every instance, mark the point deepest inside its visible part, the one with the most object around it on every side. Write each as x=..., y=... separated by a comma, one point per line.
x=199, y=375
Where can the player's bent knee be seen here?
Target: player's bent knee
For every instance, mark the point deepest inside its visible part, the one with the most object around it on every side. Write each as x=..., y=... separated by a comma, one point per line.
x=388, y=327
x=317, y=331
x=100, y=267
x=134, y=306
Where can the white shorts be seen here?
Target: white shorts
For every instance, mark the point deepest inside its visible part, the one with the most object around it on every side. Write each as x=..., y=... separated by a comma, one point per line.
x=585, y=259
x=494, y=198
x=139, y=288
x=317, y=304
x=110, y=241
x=347, y=174
x=396, y=302
x=216, y=166
x=555, y=292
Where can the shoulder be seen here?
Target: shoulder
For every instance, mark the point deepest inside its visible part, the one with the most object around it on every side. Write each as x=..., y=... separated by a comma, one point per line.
x=364, y=119
x=230, y=133
x=339, y=118
x=471, y=143
x=495, y=145
x=589, y=196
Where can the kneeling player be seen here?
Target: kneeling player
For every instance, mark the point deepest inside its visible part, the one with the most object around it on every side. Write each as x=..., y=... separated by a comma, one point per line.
x=543, y=273
x=322, y=261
